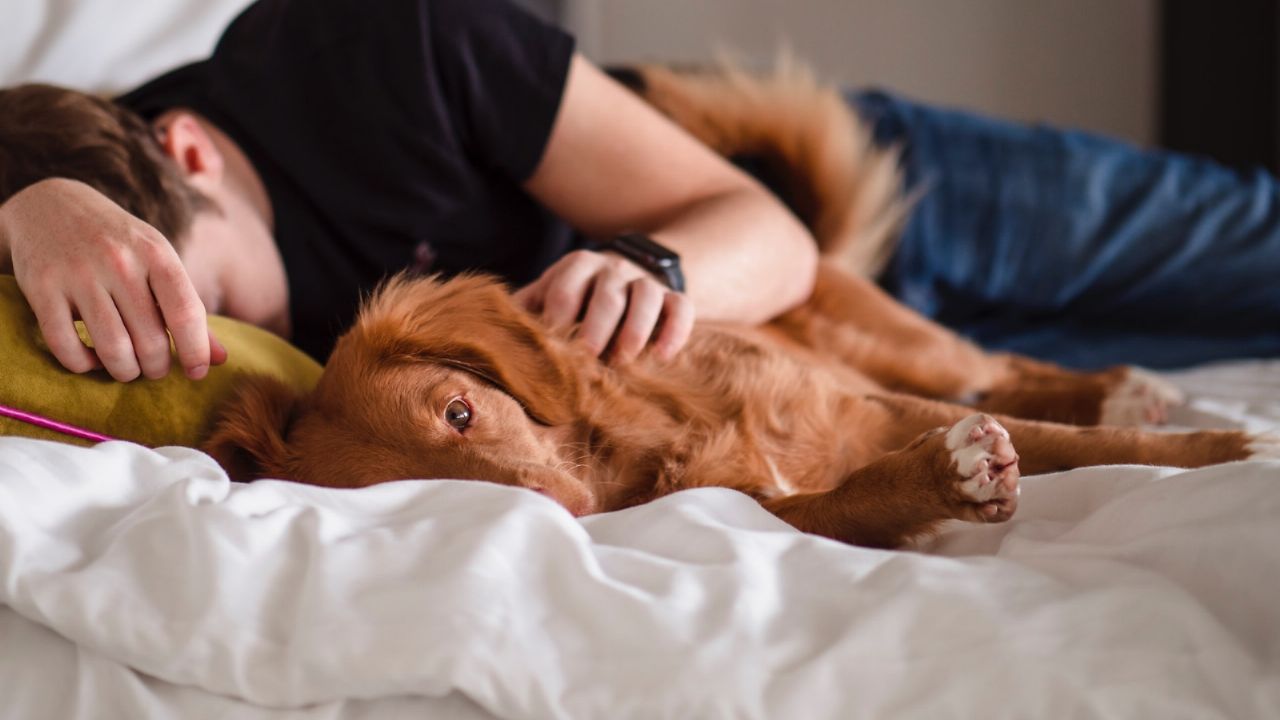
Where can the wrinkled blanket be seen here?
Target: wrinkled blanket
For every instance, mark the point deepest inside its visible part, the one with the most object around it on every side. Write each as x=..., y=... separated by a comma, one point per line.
x=139, y=583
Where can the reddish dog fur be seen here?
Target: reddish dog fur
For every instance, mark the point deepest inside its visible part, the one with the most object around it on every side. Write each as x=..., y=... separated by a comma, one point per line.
x=841, y=416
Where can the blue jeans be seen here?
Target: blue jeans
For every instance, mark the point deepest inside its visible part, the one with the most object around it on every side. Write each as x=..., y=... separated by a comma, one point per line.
x=1079, y=249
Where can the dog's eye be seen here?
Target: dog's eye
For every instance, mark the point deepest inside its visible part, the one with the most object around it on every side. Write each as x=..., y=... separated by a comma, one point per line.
x=458, y=414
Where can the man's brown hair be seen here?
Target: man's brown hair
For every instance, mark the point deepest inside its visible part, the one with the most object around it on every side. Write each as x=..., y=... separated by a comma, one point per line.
x=48, y=131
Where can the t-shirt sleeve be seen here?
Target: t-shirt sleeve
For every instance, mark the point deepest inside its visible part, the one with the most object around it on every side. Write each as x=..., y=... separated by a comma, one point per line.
x=502, y=72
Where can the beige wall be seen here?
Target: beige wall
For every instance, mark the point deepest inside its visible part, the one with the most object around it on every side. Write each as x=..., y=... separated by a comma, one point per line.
x=1082, y=63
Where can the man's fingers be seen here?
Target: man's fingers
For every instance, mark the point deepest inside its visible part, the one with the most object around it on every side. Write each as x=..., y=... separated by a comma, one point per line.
x=529, y=297
x=615, y=301
x=58, y=327
x=605, y=308
x=566, y=288
x=110, y=338
x=676, y=326
x=141, y=319
x=217, y=351
x=183, y=314
x=644, y=305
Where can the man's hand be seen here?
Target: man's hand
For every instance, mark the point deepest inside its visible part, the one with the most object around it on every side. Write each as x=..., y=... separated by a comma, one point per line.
x=77, y=254
x=616, y=300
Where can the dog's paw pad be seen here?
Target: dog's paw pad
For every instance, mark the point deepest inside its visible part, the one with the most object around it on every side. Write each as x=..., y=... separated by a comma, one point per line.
x=987, y=463
x=1264, y=446
x=1142, y=398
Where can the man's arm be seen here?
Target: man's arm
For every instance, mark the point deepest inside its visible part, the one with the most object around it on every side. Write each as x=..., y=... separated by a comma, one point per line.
x=77, y=254
x=614, y=164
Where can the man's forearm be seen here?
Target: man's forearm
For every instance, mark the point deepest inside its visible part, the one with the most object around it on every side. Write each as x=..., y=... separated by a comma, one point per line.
x=8, y=216
x=745, y=257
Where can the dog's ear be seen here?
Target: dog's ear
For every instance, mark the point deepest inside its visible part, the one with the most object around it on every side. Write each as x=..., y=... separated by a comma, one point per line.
x=248, y=438
x=471, y=323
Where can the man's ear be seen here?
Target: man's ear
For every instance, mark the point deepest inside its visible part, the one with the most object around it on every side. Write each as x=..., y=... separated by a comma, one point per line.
x=186, y=140
x=471, y=323
x=248, y=438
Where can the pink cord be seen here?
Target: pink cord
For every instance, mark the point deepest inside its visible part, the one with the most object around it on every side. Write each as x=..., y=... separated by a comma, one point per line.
x=54, y=425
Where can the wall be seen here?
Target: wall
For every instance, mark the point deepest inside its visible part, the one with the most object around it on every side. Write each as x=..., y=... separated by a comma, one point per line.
x=1082, y=63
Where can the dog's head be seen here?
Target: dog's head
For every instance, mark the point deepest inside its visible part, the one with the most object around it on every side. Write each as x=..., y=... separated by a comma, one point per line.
x=434, y=380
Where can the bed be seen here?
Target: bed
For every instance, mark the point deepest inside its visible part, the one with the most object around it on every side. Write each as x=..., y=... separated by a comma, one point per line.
x=138, y=582
x=142, y=583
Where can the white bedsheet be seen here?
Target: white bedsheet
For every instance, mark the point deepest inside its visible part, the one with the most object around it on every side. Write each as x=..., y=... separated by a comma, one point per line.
x=106, y=45
x=137, y=583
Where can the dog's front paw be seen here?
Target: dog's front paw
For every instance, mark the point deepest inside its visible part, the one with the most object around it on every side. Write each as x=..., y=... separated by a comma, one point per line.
x=983, y=455
x=1140, y=398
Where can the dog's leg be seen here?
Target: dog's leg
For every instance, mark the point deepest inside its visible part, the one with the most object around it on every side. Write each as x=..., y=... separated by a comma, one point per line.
x=1121, y=396
x=849, y=318
x=1048, y=446
x=852, y=320
x=968, y=471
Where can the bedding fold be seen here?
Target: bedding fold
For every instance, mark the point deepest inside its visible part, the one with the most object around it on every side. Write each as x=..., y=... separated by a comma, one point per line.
x=1116, y=591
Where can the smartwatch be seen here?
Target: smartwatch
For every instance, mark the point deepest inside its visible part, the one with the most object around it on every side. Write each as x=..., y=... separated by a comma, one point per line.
x=642, y=250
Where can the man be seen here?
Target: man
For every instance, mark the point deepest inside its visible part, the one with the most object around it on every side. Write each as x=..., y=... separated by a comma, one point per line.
x=327, y=144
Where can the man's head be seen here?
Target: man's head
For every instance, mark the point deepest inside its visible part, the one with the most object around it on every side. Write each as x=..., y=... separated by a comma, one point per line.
x=179, y=173
x=47, y=131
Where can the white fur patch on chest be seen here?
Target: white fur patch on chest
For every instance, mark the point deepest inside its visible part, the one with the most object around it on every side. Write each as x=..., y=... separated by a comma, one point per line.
x=779, y=480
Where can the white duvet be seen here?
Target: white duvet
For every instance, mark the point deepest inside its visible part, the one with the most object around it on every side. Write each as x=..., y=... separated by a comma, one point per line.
x=138, y=583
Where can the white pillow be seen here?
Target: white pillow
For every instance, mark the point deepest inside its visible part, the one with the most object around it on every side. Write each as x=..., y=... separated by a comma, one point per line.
x=106, y=45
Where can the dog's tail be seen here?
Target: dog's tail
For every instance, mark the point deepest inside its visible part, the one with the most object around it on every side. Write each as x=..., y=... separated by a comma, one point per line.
x=799, y=138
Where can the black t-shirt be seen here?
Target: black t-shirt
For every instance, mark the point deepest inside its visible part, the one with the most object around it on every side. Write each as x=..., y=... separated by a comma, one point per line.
x=390, y=135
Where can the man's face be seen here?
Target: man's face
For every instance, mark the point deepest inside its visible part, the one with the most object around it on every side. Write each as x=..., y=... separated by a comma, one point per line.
x=232, y=260
x=229, y=251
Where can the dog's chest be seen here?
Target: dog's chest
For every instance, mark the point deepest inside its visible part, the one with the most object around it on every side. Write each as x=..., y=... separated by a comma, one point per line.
x=774, y=420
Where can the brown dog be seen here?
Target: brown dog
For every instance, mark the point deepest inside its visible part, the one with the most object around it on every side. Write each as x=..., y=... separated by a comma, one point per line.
x=452, y=380
x=832, y=416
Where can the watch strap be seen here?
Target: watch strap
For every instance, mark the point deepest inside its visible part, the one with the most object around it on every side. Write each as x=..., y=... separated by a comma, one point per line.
x=662, y=262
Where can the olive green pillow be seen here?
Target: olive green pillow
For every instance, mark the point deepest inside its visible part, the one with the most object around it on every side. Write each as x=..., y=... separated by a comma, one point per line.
x=169, y=411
